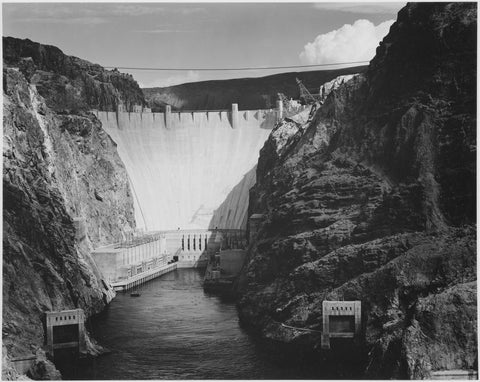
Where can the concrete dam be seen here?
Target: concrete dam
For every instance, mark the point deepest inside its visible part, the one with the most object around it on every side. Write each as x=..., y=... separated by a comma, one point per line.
x=190, y=170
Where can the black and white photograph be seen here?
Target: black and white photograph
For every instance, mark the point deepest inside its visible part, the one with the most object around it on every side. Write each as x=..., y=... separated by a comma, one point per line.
x=239, y=190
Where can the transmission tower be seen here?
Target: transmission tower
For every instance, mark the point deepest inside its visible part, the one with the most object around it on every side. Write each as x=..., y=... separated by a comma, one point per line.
x=305, y=95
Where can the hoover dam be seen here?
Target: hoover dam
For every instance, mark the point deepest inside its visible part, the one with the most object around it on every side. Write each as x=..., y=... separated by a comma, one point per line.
x=190, y=170
x=332, y=235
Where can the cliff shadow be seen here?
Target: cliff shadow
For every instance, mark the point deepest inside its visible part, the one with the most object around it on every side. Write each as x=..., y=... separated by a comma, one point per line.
x=233, y=211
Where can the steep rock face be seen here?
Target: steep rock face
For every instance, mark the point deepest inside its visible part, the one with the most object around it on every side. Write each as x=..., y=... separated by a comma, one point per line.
x=70, y=84
x=65, y=191
x=329, y=86
x=374, y=200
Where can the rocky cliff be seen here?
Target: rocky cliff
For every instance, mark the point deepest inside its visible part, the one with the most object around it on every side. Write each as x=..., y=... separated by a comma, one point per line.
x=65, y=191
x=70, y=84
x=374, y=200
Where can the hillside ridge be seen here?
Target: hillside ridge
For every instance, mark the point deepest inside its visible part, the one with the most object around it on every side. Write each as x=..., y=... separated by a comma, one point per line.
x=249, y=93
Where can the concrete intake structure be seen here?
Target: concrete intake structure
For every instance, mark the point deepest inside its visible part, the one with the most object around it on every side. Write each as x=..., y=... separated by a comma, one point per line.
x=190, y=170
x=73, y=334
x=341, y=319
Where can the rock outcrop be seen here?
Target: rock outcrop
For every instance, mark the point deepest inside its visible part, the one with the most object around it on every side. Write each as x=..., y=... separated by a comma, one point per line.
x=69, y=84
x=329, y=86
x=374, y=200
x=65, y=191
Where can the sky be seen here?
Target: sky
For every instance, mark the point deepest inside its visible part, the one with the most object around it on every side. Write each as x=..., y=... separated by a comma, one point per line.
x=204, y=35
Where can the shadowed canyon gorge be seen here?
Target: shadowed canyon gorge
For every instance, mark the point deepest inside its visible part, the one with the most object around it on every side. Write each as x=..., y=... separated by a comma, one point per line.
x=371, y=199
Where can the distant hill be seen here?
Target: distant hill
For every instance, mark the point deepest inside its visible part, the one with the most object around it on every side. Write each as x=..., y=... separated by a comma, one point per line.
x=249, y=93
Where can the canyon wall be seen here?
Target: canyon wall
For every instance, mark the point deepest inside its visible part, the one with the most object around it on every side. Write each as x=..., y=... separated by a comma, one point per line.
x=375, y=200
x=70, y=84
x=65, y=191
x=195, y=174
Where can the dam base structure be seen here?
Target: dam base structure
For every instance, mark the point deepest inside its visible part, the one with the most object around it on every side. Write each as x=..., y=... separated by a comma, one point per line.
x=190, y=174
x=130, y=263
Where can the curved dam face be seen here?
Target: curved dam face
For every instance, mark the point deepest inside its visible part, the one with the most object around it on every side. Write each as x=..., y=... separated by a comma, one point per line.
x=190, y=170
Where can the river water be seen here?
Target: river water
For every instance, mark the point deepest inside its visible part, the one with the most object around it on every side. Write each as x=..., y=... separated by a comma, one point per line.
x=175, y=330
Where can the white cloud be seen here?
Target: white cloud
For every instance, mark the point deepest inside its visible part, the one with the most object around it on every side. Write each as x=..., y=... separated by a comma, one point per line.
x=382, y=8
x=355, y=42
x=190, y=76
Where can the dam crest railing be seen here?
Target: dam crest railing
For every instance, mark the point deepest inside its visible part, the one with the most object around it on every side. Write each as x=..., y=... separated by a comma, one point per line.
x=170, y=119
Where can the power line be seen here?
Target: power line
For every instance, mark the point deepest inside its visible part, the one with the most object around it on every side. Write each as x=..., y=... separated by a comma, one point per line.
x=235, y=69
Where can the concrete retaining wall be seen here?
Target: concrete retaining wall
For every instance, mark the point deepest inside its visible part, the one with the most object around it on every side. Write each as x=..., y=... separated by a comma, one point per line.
x=142, y=278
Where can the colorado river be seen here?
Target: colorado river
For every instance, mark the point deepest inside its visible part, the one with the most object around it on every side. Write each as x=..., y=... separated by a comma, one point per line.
x=176, y=331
